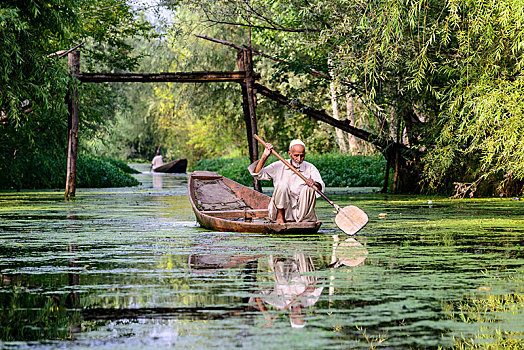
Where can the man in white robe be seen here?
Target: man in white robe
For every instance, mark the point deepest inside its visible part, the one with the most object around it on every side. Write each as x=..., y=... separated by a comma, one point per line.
x=293, y=199
x=157, y=161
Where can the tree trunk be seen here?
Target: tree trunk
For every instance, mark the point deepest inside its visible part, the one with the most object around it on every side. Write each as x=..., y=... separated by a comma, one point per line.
x=352, y=140
x=334, y=106
x=386, y=176
x=73, y=121
x=395, y=175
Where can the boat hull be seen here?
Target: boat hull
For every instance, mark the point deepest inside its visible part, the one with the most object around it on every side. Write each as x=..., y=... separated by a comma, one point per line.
x=176, y=166
x=221, y=204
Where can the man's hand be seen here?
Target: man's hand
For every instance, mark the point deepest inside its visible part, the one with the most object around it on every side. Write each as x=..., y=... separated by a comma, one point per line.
x=312, y=183
x=268, y=149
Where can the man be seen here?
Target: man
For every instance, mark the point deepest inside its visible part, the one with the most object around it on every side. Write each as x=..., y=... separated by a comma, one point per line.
x=293, y=199
x=157, y=160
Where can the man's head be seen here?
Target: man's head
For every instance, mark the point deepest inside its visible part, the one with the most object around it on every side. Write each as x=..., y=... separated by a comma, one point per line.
x=297, y=151
x=296, y=316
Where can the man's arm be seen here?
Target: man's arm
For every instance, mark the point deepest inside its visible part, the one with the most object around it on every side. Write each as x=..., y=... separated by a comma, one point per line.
x=265, y=156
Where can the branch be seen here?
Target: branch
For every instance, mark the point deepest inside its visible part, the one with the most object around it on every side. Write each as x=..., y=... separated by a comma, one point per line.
x=223, y=42
x=380, y=142
x=63, y=53
x=281, y=29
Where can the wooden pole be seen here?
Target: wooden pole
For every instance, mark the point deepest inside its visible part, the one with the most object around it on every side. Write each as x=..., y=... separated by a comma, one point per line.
x=175, y=77
x=72, y=141
x=245, y=63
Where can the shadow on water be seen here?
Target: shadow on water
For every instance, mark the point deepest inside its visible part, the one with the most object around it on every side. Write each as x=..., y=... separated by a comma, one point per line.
x=130, y=268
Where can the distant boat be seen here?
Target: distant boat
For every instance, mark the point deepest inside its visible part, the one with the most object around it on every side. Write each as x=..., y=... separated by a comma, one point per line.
x=176, y=166
x=221, y=204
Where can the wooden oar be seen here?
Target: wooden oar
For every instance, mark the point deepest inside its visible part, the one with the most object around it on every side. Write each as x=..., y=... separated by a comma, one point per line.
x=350, y=219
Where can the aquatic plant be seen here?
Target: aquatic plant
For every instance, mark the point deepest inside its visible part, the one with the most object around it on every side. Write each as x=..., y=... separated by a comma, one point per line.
x=488, y=310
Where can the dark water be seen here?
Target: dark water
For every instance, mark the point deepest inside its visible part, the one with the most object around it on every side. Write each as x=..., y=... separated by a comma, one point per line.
x=130, y=268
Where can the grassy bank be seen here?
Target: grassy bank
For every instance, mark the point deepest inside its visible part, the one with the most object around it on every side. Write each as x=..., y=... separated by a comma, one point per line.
x=337, y=170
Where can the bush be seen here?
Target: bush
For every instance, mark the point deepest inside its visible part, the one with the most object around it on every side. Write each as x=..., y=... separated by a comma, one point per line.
x=94, y=172
x=121, y=165
x=337, y=170
x=42, y=171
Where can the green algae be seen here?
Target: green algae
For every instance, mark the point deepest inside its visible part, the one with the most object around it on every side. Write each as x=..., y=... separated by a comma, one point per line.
x=131, y=268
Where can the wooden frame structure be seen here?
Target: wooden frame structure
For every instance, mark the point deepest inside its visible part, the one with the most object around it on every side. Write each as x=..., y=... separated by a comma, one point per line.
x=245, y=76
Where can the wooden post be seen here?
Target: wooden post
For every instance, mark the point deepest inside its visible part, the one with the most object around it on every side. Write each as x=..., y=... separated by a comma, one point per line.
x=245, y=63
x=73, y=60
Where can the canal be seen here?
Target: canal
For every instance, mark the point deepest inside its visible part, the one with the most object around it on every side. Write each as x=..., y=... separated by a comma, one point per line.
x=131, y=268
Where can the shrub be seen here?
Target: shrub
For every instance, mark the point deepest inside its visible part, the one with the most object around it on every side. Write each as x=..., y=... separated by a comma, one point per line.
x=43, y=171
x=94, y=172
x=121, y=165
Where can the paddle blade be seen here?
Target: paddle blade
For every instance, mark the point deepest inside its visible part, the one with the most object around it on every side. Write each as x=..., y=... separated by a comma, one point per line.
x=351, y=219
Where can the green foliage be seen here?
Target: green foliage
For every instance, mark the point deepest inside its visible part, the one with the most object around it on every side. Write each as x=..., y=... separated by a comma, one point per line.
x=337, y=170
x=232, y=168
x=93, y=172
x=443, y=77
x=41, y=170
x=34, y=81
x=121, y=165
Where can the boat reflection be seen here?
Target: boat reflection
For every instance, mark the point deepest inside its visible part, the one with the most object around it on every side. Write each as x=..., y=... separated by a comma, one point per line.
x=297, y=284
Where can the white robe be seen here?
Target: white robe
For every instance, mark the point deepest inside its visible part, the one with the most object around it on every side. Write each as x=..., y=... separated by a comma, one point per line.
x=291, y=192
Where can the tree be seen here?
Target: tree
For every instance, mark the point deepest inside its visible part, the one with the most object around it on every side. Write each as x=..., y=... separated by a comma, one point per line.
x=34, y=80
x=439, y=79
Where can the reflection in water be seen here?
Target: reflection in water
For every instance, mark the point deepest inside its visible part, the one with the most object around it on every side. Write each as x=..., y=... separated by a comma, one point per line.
x=349, y=252
x=296, y=284
x=295, y=288
x=157, y=180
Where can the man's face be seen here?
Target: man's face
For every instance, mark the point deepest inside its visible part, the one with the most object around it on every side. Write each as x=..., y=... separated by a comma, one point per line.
x=297, y=154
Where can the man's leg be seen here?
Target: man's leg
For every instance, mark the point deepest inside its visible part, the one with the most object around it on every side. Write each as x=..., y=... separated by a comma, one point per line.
x=279, y=202
x=306, y=205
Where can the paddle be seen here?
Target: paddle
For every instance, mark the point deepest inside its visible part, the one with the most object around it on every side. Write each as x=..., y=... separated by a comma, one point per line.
x=350, y=219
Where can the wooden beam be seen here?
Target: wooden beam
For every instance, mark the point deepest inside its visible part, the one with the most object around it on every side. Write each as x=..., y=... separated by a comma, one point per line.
x=223, y=42
x=180, y=77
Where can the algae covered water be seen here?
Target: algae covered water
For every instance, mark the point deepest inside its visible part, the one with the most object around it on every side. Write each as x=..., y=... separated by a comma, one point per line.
x=130, y=268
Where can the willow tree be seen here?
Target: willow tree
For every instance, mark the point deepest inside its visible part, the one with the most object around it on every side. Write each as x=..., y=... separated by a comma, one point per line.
x=439, y=79
x=34, y=80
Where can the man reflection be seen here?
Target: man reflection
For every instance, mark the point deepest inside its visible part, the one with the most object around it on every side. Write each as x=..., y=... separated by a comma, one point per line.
x=295, y=288
x=157, y=181
x=296, y=285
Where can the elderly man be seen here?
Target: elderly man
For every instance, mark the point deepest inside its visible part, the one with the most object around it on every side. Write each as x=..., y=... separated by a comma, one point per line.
x=293, y=199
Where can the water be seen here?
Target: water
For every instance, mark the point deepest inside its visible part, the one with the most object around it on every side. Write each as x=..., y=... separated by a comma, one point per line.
x=130, y=268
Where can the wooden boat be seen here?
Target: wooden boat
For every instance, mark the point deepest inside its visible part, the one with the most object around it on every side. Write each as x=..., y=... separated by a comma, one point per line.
x=222, y=204
x=177, y=166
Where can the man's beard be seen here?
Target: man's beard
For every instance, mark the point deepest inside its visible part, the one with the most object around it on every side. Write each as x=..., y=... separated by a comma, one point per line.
x=295, y=164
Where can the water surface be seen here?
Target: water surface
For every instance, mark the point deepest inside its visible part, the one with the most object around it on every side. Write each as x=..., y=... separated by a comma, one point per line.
x=130, y=268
